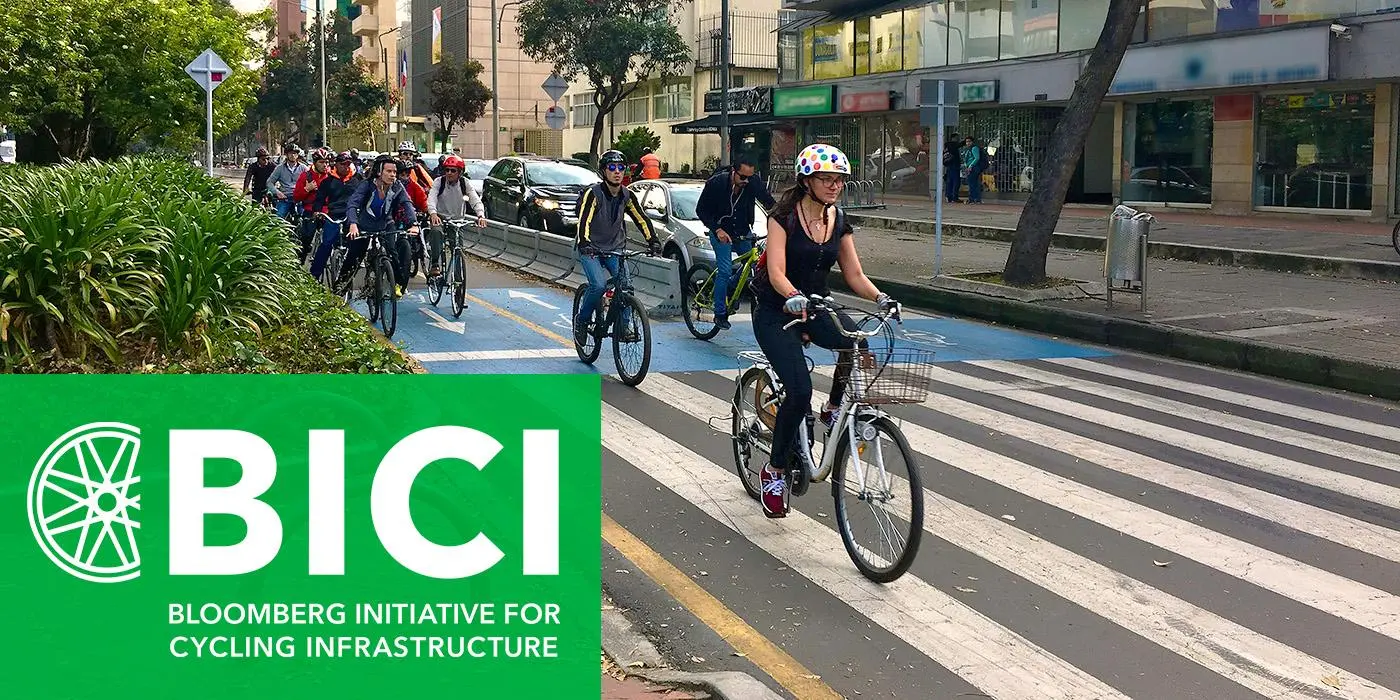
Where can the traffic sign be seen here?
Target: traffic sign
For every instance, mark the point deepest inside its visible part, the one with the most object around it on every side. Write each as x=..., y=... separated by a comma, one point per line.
x=554, y=117
x=555, y=86
x=208, y=70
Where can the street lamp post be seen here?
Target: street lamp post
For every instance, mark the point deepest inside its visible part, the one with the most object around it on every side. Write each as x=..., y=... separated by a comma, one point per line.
x=321, y=40
x=724, y=84
x=495, y=76
x=388, y=107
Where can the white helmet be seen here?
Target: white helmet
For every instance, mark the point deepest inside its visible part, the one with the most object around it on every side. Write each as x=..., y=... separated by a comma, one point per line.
x=408, y=146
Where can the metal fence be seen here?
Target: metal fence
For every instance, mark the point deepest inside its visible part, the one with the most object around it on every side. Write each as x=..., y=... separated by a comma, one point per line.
x=753, y=42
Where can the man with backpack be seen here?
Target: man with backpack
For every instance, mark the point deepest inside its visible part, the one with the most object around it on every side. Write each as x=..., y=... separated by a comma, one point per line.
x=447, y=198
x=975, y=162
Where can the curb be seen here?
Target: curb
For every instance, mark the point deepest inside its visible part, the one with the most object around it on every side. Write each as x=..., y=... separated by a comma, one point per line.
x=1358, y=376
x=414, y=366
x=637, y=656
x=1378, y=270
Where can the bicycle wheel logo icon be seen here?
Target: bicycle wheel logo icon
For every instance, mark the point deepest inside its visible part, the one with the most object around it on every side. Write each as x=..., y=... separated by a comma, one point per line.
x=82, y=501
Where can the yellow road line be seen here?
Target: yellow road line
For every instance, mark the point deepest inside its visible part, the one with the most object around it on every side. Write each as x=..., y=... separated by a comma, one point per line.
x=768, y=656
x=524, y=322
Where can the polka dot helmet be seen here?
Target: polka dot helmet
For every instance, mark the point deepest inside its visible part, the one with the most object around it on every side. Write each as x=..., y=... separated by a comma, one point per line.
x=822, y=158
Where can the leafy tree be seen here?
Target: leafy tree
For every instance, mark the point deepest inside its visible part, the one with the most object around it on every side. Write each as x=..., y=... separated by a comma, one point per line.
x=617, y=45
x=456, y=95
x=632, y=142
x=291, y=92
x=82, y=79
x=1025, y=264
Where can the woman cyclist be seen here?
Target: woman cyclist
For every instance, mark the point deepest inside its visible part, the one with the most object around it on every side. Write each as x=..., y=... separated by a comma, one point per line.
x=807, y=234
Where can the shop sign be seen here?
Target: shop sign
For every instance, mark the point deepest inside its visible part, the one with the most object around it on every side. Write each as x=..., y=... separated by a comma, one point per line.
x=1319, y=100
x=826, y=44
x=748, y=100
x=803, y=101
x=1292, y=56
x=980, y=91
x=876, y=101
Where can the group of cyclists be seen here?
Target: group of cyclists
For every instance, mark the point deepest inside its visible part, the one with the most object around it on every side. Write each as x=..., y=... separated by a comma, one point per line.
x=807, y=234
x=339, y=193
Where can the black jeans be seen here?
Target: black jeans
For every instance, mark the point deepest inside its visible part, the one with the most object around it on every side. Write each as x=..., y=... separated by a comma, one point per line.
x=783, y=348
x=399, y=257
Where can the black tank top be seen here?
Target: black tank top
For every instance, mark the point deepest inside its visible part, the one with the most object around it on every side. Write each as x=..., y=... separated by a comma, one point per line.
x=808, y=263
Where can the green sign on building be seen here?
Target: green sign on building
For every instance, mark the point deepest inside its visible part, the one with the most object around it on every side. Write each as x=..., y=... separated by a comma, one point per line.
x=804, y=101
x=983, y=91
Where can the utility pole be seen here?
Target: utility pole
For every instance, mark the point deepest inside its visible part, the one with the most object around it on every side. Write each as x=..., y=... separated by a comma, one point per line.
x=724, y=83
x=495, y=86
x=384, y=57
x=321, y=39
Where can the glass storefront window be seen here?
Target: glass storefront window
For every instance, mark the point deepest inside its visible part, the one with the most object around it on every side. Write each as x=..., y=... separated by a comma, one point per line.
x=926, y=37
x=886, y=42
x=1030, y=27
x=831, y=50
x=974, y=31
x=1315, y=150
x=1081, y=22
x=1167, y=146
x=1173, y=18
x=1016, y=140
x=789, y=57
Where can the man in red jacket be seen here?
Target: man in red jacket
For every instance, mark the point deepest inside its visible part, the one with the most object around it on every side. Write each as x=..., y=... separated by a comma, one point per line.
x=305, y=194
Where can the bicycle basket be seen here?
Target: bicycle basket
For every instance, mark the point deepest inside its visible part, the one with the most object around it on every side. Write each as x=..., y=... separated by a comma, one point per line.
x=889, y=375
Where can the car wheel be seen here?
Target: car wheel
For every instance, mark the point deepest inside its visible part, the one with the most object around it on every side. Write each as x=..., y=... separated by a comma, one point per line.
x=674, y=253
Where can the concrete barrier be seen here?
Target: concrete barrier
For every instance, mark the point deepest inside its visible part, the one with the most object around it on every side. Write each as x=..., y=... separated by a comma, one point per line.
x=552, y=257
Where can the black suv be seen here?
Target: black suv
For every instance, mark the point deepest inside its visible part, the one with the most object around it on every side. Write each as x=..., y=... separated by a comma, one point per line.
x=537, y=193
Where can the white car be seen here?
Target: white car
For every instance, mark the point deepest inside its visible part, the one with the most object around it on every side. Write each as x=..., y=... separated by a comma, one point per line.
x=670, y=204
x=477, y=170
x=7, y=151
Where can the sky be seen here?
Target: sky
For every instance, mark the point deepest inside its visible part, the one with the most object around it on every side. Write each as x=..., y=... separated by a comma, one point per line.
x=251, y=5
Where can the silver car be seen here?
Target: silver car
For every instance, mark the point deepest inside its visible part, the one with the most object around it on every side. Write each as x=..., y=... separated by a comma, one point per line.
x=670, y=204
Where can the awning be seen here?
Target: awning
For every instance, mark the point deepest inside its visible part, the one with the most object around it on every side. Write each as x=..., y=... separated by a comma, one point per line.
x=710, y=124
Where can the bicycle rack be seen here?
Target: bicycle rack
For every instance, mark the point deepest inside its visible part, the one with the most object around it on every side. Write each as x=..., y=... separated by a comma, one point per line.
x=860, y=194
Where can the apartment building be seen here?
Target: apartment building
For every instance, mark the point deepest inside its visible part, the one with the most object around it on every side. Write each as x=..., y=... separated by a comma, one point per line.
x=678, y=110
x=1286, y=106
x=290, y=16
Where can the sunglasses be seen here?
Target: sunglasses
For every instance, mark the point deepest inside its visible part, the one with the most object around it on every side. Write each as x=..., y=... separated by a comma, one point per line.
x=613, y=167
x=451, y=170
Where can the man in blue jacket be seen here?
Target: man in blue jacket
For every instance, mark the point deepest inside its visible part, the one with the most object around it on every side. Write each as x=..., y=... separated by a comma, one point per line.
x=726, y=210
x=372, y=209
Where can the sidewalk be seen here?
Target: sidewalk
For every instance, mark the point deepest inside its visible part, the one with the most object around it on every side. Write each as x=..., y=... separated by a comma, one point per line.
x=1321, y=236
x=1310, y=328
x=619, y=686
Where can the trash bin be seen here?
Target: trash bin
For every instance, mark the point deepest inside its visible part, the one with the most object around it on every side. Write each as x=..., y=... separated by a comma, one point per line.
x=1125, y=253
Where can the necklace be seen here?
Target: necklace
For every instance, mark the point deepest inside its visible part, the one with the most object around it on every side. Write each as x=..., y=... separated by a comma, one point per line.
x=807, y=223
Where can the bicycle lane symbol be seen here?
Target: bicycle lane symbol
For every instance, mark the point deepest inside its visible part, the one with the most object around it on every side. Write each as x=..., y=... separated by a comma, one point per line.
x=927, y=338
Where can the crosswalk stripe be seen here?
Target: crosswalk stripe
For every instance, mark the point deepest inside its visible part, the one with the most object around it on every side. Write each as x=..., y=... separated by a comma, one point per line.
x=1336, y=595
x=1350, y=532
x=990, y=656
x=1248, y=426
x=1269, y=464
x=1238, y=653
x=1259, y=403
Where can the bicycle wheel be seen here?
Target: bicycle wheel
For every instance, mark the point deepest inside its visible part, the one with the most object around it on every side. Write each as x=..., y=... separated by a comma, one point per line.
x=435, y=287
x=370, y=290
x=590, y=348
x=384, y=291
x=881, y=489
x=697, y=303
x=1395, y=238
x=752, y=417
x=633, y=342
x=459, y=282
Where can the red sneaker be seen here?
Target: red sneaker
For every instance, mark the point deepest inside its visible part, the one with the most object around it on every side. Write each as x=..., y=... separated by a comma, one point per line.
x=774, y=498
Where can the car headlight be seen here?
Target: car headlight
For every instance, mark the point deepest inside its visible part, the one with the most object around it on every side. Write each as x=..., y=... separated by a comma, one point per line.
x=701, y=242
x=548, y=203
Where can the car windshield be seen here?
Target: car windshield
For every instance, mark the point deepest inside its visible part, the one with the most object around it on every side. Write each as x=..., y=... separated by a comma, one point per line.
x=478, y=170
x=558, y=174
x=683, y=201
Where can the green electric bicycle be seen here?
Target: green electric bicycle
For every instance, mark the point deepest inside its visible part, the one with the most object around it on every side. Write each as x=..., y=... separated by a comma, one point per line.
x=698, y=292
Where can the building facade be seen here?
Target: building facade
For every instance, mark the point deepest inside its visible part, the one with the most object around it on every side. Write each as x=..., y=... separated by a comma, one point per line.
x=1284, y=106
x=290, y=16
x=462, y=30
x=675, y=109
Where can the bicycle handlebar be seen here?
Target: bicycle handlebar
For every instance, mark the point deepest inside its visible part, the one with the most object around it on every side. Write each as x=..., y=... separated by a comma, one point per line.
x=816, y=302
x=462, y=223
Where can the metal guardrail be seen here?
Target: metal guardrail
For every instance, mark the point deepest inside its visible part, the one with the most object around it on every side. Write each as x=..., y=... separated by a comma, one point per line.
x=552, y=257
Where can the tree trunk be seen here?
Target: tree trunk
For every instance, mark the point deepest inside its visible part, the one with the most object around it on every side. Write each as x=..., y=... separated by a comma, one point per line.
x=597, y=135
x=1025, y=265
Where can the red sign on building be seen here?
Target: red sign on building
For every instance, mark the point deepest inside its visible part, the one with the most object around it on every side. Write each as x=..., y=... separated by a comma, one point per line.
x=865, y=101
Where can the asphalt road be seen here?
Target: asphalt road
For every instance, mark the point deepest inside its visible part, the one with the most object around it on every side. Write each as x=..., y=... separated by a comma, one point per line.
x=1099, y=524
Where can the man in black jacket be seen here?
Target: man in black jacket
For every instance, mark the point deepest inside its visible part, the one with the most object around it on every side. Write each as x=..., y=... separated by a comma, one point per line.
x=332, y=198
x=726, y=210
x=257, y=174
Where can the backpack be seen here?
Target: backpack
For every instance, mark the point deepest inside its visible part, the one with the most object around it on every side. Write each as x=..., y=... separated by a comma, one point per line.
x=982, y=164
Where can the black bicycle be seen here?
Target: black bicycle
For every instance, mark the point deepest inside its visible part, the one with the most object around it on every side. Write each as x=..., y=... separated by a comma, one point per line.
x=1395, y=238
x=631, y=340
x=455, y=276
x=378, y=288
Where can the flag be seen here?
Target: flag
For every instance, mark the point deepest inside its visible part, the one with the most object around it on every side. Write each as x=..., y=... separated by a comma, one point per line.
x=437, y=34
x=403, y=69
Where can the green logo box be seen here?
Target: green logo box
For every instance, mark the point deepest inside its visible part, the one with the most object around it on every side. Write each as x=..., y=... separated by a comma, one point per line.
x=273, y=537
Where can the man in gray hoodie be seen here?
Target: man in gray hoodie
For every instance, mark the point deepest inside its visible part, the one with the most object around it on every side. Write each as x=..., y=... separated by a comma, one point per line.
x=283, y=181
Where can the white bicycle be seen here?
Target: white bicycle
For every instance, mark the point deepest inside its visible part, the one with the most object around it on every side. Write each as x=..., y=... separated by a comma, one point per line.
x=873, y=471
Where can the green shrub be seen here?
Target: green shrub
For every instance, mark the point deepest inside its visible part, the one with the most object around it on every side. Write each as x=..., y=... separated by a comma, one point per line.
x=161, y=268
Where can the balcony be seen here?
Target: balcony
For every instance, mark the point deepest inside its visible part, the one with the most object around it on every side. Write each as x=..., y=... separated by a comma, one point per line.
x=753, y=41
x=367, y=24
